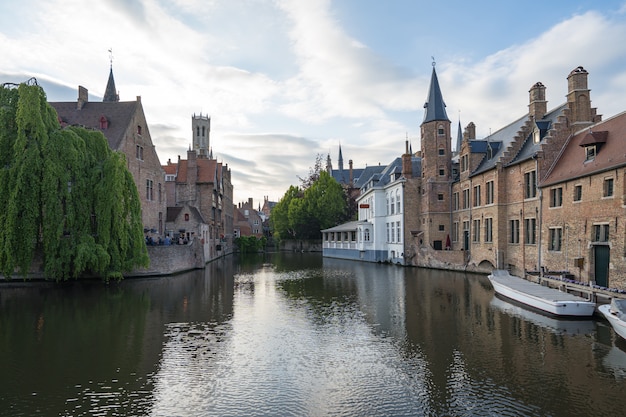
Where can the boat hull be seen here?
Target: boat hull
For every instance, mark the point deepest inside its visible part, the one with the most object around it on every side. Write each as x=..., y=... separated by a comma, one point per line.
x=617, y=323
x=546, y=299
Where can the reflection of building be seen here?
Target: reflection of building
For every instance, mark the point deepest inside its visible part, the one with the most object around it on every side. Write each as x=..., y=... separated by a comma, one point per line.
x=543, y=192
x=124, y=125
x=201, y=183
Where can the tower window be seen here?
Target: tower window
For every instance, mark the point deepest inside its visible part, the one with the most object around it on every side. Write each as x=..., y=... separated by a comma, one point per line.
x=203, y=129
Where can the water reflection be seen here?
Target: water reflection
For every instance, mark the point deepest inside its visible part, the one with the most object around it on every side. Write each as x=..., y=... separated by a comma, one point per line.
x=295, y=334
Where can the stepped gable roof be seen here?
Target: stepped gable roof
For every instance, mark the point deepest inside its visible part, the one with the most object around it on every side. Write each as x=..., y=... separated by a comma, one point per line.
x=119, y=115
x=572, y=162
x=435, y=106
x=503, y=138
x=530, y=148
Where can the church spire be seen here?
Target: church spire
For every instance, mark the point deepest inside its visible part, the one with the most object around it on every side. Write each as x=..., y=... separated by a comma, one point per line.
x=340, y=160
x=459, y=138
x=110, y=93
x=435, y=106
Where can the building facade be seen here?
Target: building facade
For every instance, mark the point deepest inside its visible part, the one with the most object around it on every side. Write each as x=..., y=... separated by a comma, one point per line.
x=545, y=193
x=124, y=125
x=201, y=182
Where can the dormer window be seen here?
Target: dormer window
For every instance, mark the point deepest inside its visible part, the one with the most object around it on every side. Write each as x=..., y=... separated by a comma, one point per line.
x=536, y=136
x=592, y=142
x=104, y=123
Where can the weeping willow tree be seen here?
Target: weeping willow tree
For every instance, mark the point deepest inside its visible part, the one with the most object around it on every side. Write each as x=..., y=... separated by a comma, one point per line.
x=65, y=196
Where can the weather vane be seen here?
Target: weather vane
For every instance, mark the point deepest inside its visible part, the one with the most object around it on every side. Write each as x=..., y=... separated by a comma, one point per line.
x=434, y=63
x=111, y=56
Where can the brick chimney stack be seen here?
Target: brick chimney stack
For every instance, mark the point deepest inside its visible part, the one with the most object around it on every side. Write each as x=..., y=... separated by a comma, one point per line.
x=83, y=97
x=538, y=106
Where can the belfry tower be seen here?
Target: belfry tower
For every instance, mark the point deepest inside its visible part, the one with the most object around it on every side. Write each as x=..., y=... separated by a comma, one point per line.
x=201, y=129
x=436, y=153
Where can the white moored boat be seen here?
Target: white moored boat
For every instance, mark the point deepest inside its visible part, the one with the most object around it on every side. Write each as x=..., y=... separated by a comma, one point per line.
x=546, y=299
x=615, y=313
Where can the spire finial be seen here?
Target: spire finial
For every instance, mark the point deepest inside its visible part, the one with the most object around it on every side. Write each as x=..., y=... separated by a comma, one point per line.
x=434, y=63
x=111, y=57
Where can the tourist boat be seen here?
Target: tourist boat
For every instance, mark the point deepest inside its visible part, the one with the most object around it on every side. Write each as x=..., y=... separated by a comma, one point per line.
x=543, y=298
x=615, y=313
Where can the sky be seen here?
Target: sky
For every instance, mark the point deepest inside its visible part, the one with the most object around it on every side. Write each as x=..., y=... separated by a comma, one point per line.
x=285, y=81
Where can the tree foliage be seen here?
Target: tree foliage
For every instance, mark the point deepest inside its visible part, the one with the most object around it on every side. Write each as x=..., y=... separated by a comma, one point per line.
x=67, y=197
x=303, y=214
x=314, y=173
x=250, y=244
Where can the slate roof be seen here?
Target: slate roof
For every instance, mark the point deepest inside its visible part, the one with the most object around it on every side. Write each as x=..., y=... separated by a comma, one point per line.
x=345, y=227
x=502, y=139
x=385, y=176
x=610, y=154
x=435, y=106
x=367, y=173
x=118, y=115
x=343, y=175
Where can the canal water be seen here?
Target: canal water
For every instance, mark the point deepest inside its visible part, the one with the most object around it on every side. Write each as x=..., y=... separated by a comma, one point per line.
x=299, y=335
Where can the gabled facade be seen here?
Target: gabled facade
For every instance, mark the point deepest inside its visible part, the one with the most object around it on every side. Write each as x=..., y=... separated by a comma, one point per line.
x=248, y=221
x=543, y=193
x=381, y=232
x=124, y=125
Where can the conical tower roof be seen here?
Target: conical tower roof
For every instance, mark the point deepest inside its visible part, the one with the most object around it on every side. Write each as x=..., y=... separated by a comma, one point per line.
x=435, y=106
x=110, y=93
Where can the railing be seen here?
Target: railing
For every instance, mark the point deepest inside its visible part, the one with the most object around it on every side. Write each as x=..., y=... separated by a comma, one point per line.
x=339, y=245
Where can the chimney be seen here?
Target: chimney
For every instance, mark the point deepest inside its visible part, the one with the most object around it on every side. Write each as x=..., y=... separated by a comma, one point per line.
x=407, y=166
x=83, y=97
x=250, y=202
x=538, y=106
x=351, y=172
x=578, y=98
x=470, y=132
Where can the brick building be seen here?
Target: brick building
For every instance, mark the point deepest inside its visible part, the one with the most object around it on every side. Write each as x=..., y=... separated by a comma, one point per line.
x=124, y=125
x=201, y=182
x=543, y=193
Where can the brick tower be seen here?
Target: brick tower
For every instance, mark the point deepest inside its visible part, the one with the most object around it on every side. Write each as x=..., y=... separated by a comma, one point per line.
x=436, y=155
x=201, y=129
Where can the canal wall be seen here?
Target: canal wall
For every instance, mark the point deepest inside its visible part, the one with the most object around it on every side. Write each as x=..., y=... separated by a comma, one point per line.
x=313, y=245
x=172, y=259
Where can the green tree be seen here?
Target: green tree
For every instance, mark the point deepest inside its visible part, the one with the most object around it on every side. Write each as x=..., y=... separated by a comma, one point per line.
x=67, y=197
x=301, y=215
x=279, y=220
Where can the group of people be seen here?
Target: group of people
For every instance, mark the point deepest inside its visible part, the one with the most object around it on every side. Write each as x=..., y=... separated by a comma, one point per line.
x=150, y=241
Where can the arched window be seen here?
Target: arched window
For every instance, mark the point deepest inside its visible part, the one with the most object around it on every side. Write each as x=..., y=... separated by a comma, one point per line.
x=138, y=130
x=388, y=204
x=186, y=217
x=197, y=130
x=367, y=235
x=393, y=204
x=104, y=123
x=203, y=128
